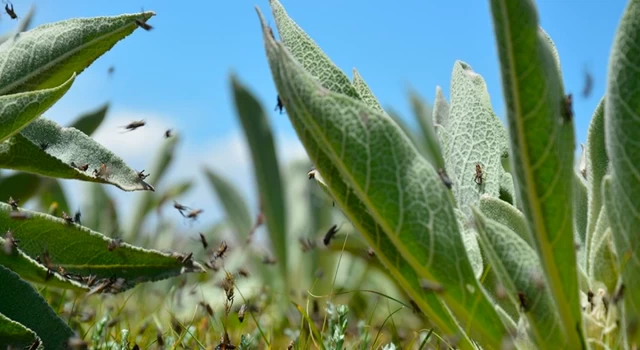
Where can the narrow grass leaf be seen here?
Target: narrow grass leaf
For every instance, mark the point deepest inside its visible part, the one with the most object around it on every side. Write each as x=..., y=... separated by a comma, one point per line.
x=235, y=206
x=29, y=62
x=371, y=155
x=542, y=150
x=266, y=169
x=20, y=109
x=91, y=120
x=21, y=303
x=580, y=211
x=424, y=116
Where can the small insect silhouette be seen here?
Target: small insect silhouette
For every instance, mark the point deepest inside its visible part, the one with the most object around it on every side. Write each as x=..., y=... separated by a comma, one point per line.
x=76, y=217
x=479, y=175
x=524, y=302
x=13, y=203
x=181, y=208
x=142, y=23
x=219, y=254
x=203, y=240
x=8, y=8
x=167, y=133
x=44, y=146
x=82, y=167
x=588, y=84
x=102, y=171
x=568, y=108
x=330, y=234
x=142, y=175
x=193, y=214
x=134, y=125
x=111, y=70
x=279, y=106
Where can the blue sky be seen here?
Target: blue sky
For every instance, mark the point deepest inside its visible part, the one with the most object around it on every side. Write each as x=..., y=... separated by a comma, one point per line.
x=177, y=74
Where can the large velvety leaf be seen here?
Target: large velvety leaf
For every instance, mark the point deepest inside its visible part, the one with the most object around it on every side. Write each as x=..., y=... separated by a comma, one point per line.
x=90, y=121
x=363, y=90
x=597, y=162
x=13, y=334
x=424, y=116
x=31, y=62
x=580, y=211
x=603, y=261
x=542, y=150
x=32, y=271
x=18, y=110
x=163, y=159
x=265, y=168
x=622, y=125
x=507, y=189
x=507, y=215
x=309, y=54
x=20, y=186
x=397, y=186
x=519, y=270
x=45, y=148
x=470, y=243
x=21, y=303
x=234, y=205
x=476, y=136
x=79, y=250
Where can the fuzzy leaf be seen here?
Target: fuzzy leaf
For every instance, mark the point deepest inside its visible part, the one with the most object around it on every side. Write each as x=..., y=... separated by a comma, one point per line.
x=622, y=126
x=234, y=205
x=476, y=136
x=542, y=150
x=309, y=54
x=507, y=189
x=90, y=121
x=62, y=146
x=266, y=169
x=597, y=164
x=580, y=210
x=81, y=251
x=603, y=261
x=21, y=303
x=519, y=270
x=31, y=62
x=32, y=271
x=424, y=116
x=440, y=110
x=470, y=243
x=363, y=90
x=20, y=186
x=507, y=215
x=18, y=110
x=397, y=186
x=13, y=334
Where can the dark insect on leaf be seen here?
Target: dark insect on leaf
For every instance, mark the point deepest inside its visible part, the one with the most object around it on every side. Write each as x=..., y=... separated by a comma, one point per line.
x=44, y=146
x=10, y=242
x=8, y=8
x=13, y=203
x=193, y=215
x=113, y=244
x=142, y=23
x=102, y=171
x=312, y=174
x=49, y=275
x=68, y=219
x=82, y=167
x=524, y=302
x=77, y=216
x=567, y=105
x=142, y=175
x=279, y=105
x=330, y=234
x=445, y=179
x=479, y=175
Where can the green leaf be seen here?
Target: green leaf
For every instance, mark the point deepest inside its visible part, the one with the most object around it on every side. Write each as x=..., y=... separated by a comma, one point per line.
x=603, y=261
x=507, y=215
x=265, y=168
x=82, y=251
x=90, y=121
x=476, y=137
x=20, y=186
x=309, y=54
x=363, y=90
x=580, y=209
x=30, y=270
x=234, y=205
x=416, y=139
x=23, y=25
x=393, y=182
x=32, y=63
x=597, y=163
x=163, y=159
x=542, y=150
x=519, y=271
x=470, y=243
x=13, y=334
x=440, y=110
x=507, y=189
x=622, y=124
x=424, y=116
x=62, y=146
x=21, y=303
x=52, y=198
x=20, y=109
x=99, y=210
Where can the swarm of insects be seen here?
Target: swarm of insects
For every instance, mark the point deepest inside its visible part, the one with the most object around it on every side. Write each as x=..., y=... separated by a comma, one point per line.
x=134, y=125
x=13, y=203
x=330, y=234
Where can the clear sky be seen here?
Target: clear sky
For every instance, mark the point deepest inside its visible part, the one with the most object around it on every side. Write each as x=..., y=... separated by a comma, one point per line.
x=177, y=74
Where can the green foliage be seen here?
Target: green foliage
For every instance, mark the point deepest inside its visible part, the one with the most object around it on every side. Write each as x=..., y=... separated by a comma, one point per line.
x=557, y=259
